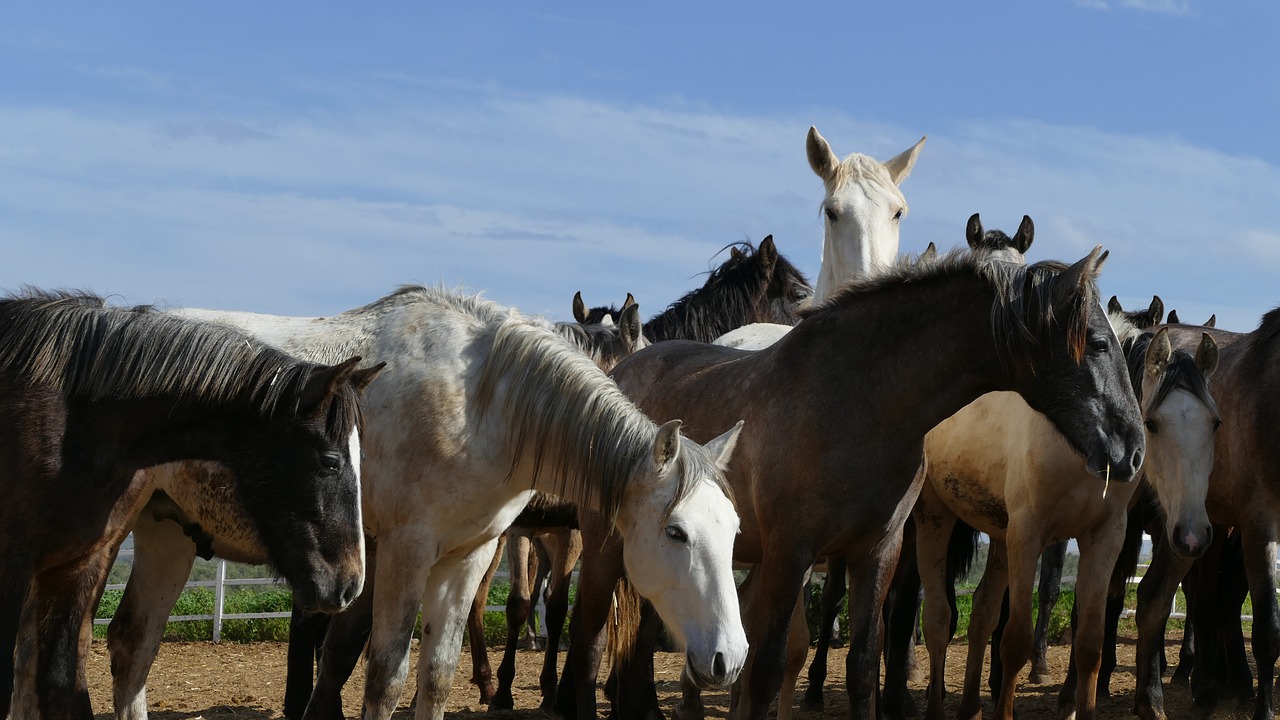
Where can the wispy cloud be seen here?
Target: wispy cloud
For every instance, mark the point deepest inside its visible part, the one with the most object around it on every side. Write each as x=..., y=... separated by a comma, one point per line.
x=1165, y=7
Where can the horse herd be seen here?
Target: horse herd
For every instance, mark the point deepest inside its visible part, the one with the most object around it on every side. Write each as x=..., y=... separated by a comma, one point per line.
x=874, y=423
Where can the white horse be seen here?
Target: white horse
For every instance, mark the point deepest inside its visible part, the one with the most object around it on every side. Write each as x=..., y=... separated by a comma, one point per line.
x=861, y=211
x=480, y=406
x=1005, y=470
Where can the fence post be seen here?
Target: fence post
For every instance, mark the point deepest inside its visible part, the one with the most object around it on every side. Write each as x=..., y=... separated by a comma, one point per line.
x=219, y=594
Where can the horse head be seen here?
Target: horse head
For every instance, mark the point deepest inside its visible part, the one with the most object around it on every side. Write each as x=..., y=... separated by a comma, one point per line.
x=861, y=211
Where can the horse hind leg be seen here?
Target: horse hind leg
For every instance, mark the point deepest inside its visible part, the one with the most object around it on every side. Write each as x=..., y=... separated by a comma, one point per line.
x=568, y=548
x=519, y=548
x=833, y=592
x=481, y=673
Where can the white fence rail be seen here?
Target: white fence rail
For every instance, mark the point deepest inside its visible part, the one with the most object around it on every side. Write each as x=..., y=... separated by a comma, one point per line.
x=221, y=582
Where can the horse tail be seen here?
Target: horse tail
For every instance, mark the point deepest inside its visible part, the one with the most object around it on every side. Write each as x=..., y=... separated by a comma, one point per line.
x=962, y=550
x=625, y=623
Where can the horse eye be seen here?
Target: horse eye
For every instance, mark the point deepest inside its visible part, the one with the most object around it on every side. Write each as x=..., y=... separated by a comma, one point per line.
x=898, y=215
x=1099, y=346
x=676, y=534
x=331, y=460
x=1151, y=426
x=831, y=214
x=1216, y=424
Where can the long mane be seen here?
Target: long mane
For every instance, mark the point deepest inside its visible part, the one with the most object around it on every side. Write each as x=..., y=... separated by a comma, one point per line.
x=581, y=429
x=733, y=295
x=1021, y=314
x=76, y=344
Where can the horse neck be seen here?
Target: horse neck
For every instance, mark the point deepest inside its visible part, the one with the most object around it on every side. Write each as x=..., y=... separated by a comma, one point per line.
x=851, y=258
x=928, y=350
x=704, y=315
x=315, y=339
x=161, y=430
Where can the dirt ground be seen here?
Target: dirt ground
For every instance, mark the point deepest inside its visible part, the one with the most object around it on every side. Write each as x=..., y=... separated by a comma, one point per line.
x=229, y=680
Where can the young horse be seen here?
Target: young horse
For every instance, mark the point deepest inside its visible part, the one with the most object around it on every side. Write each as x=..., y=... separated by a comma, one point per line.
x=861, y=211
x=1026, y=489
x=482, y=407
x=848, y=480
x=1242, y=495
x=92, y=394
x=755, y=285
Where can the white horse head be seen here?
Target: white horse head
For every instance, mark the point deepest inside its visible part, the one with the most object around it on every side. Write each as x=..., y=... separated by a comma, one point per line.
x=691, y=555
x=1180, y=419
x=861, y=211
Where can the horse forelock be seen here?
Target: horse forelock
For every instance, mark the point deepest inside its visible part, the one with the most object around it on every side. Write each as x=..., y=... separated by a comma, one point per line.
x=1181, y=372
x=75, y=343
x=864, y=170
x=582, y=431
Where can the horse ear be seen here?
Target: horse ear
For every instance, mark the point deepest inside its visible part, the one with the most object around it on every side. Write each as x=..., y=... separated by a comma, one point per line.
x=900, y=166
x=1173, y=318
x=973, y=231
x=735, y=253
x=1113, y=305
x=631, y=300
x=1207, y=355
x=823, y=161
x=722, y=447
x=768, y=253
x=1073, y=281
x=1026, y=233
x=930, y=253
x=1156, y=310
x=360, y=379
x=667, y=445
x=1159, y=353
x=1212, y=321
x=324, y=382
x=579, y=309
x=630, y=327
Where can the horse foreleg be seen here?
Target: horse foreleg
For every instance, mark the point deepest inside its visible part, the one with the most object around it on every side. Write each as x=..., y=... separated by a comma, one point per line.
x=162, y=559
x=901, y=610
x=444, y=614
x=481, y=673
x=342, y=639
x=1098, y=553
x=1022, y=549
x=1235, y=587
x=576, y=696
x=934, y=525
x=1155, y=593
x=833, y=591
x=869, y=579
x=567, y=550
x=1203, y=615
x=983, y=618
x=780, y=579
x=1048, y=588
x=519, y=547
x=1259, y=551
x=797, y=652
x=64, y=598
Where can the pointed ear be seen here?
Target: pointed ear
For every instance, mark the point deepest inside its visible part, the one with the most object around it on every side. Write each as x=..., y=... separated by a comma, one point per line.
x=973, y=231
x=1073, y=281
x=579, y=309
x=1173, y=318
x=1212, y=321
x=1207, y=355
x=667, y=445
x=631, y=300
x=929, y=255
x=1156, y=310
x=1026, y=233
x=900, y=166
x=360, y=379
x=630, y=327
x=1113, y=305
x=735, y=253
x=323, y=383
x=823, y=161
x=768, y=253
x=1158, y=354
x=722, y=447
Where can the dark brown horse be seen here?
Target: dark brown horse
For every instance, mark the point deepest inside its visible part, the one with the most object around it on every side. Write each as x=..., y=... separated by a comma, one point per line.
x=89, y=395
x=1244, y=494
x=850, y=394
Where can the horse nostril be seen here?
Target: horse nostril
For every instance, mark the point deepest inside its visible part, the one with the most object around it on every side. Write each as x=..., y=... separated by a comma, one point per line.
x=1137, y=460
x=718, y=668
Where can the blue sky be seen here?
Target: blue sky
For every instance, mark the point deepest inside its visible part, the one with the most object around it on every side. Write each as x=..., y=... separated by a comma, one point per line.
x=305, y=159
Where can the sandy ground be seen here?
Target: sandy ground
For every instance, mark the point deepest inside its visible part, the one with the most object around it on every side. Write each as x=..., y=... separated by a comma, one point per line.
x=246, y=682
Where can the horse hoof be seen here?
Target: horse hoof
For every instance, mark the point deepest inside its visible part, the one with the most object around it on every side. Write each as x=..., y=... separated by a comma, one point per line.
x=812, y=700
x=502, y=701
x=1181, y=676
